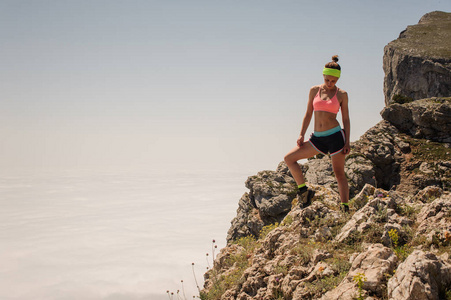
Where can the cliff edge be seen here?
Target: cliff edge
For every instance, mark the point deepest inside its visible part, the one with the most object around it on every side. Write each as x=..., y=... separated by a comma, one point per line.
x=396, y=241
x=417, y=65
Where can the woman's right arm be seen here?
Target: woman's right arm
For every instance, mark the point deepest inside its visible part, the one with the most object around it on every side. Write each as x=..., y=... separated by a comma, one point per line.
x=308, y=115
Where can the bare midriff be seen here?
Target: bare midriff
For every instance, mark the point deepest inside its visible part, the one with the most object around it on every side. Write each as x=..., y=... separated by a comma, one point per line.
x=325, y=120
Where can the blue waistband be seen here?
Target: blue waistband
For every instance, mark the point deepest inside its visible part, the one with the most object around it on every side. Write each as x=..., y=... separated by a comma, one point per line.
x=327, y=132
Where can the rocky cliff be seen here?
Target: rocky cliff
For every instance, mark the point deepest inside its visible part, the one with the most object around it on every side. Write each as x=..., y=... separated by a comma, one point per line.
x=385, y=157
x=418, y=64
x=390, y=247
x=394, y=244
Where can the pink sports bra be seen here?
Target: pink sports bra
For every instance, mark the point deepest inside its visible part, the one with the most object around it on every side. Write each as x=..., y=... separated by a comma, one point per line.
x=332, y=105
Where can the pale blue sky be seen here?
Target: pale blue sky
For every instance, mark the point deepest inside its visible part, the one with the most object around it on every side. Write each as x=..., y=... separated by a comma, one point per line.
x=186, y=84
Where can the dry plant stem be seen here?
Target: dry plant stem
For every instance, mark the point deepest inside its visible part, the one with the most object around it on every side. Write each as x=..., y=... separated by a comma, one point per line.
x=170, y=295
x=195, y=279
x=213, y=251
x=208, y=263
x=183, y=290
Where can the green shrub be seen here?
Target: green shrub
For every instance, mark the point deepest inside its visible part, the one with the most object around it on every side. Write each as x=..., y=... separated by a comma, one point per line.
x=303, y=251
x=360, y=279
x=267, y=229
x=408, y=210
x=339, y=265
x=323, y=285
x=287, y=221
x=401, y=251
x=248, y=242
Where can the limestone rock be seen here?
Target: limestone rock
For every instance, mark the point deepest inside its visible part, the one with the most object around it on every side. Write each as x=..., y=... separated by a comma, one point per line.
x=373, y=264
x=405, y=168
x=247, y=221
x=362, y=198
x=369, y=216
x=272, y=192
x=359, y=171
x=320, y=172
x=269, y=200
x=346, y=290
x=425, y=118
x=435, y=220
x=378, y=145
x=418, y=64
x=358, y=168
x=428, y=193
x=421, y=276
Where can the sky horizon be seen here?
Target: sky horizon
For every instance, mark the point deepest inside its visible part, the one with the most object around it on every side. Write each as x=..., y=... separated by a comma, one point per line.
x=182, y=84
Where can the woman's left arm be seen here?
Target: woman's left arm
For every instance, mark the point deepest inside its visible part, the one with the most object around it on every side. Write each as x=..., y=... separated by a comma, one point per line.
x=346, y=121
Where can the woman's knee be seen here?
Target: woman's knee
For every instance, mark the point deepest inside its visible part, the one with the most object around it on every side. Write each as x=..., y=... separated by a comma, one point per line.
x=340, y=175
x=338, y=165
x=288, y=159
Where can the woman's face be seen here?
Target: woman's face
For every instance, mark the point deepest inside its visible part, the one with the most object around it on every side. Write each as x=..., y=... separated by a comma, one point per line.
x=330, y=81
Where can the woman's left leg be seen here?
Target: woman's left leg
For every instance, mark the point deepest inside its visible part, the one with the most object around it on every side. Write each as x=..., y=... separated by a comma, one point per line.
x=338, y=164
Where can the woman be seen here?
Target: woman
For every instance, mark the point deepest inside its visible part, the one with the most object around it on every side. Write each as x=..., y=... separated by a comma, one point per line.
x=324, y=101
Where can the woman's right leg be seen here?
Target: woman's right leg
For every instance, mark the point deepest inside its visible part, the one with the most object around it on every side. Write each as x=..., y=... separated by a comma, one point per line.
x=298, y=153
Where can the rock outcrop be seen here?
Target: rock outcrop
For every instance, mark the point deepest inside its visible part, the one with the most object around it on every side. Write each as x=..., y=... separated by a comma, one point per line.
x=403, y=162
x=395, y=242
x=418, y=64
x=388, y=156
x=374, y=263
x=269, y=200
x=272, y=192
x=422, y=275
x=381, y=250
x=424, y=119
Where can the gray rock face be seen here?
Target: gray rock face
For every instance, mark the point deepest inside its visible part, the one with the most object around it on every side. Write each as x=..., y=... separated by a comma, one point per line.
x=374, y=264
x=272, y=192
x=433, y=220
x=320, y=172
x=359, y=171
x=268, y=201
x=318, y=252
x=247, y=221
x=358, y=168
x=427, y=118
x=381, y=147
x=421, y=276
x=418, y=64
x=375, y=211
x=404, y=162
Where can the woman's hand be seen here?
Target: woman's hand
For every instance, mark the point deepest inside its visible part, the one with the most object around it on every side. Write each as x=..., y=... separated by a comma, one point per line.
x=346, y=149
x=300, y=141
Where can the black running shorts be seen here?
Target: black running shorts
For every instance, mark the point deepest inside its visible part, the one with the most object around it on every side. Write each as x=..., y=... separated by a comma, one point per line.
x=332, y=143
